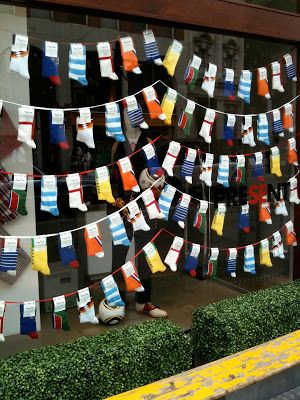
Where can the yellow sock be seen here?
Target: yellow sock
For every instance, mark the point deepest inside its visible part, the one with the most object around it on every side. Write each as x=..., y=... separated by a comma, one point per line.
x=264, y=253
x=168, y=104
x=172, y=57
x=218, y=220
x=153, y=258
x=275, y=161
x=39, y=256
x=103, y=185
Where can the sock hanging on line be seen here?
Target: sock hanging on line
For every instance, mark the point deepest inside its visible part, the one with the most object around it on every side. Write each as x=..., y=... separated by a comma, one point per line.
x=165, y=200
x=84, y=127
x=192, y=260
x=128, y=52
x=136, y=217
x=171, y=157
x=28, y=319
x=111, y=292
x=219, y=218
x=127, y=175
x=106, y=61
x=231, y=262
x=131, y=278
x=75, y=192
x=276, y=77
x=103, y=186
x=206, y=169
x=174, y=253
x=134, y=112
x=152, y=161
x=277, y=123
x=67, y=250
x=93, y=241
x=280, y=207
x=186, y=117
x=153, y=104
x=18, y=194
x=181, y=210
x=19, y=56
x=223, y=171
x=39, y=255
x=49, y=194
x=263, y=129
x=229, y=128
x=57, y=129
x=209, y=80
x=262, y=83
x=2, y=312
x=9, y=255
x=247, y=132
x=244, y=220
x=264, y=253
x=192, y=71
x=188, y=165
x=153, y=258
x=290, y=68
x=201, y=217
x=152, y=207
x=277, y=246
x=168, y=104
x=290, y=235
x=172, y=57
x=240, y=174
x=77, y=63
x=293, y=196
x=207, y=125
x=113, y=126
x=288, y=117
x=86, y=307
x=265, y=212
x=229, y=84
x=249, y=260
x=117, y=230
x=151, y=48
x=244, y=89
x=275, y=161
x=60, y=315
x=26, y=126
x=211, y=265
x=258, y=168
x=50, y=62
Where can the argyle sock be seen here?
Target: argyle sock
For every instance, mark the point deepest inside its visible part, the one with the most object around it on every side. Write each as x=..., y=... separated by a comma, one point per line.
x=207, y=125
x=293, y=196
x=262, y=83
x=275, y=161
x=192, y=71
x=244, y=220
x=152, y=161
x=192, y=262
x=28, y=319
x=247, y=132
x=151, y=205
x=117, y=230
x=288, y=117
x=229, y=128
x=181, y=210
x=9, y=255
x=209, y=80
x=174, y=253
x=60, y=315
x=277, y=123
x=151, y=48
x=244, y=89
x=168, y=104
x=201, y=217
x=113, y=126
x=129, y=58
x=86, y=307
x=186, y=117
x=171, y=157
x=172, y=57
x=57, y=129
x=50, y=62
x=240, y=173
x=263, y=129
x=85, y=132
x=153, y=258
x=229, y=84
x=137, y=218
x=258, y=168
x=127, y=175
x=249, y=260
x=290, y=68
x=206, y=169
x=265, y=213
x=276, y=77
x=280, y=207
x=39, y=255
x=188, y=165
x=135, y=113
x=290, y=235
x=223, y=171
x=77, y=63
x=18, y=194
x=103, y=186
x=153, y=104
x=106, y=61
x=26, y=126
x=19, y=56
x=93, y=241
x=67, y=250
x=218, y=220
x=277, y=245
x=264, y=253
x=131, y=278
x=211, y=265
x=75, y=192
x=165, y=200
x=49, y=195
x=2, y=312
x=231, y=262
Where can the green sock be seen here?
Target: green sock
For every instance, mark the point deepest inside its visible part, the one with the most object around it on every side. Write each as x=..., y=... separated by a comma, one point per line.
x=22, y=201
x=60, y=320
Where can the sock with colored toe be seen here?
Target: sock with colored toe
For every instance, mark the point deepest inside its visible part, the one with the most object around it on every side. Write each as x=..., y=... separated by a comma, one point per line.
x=188, y=165
x=181, y=210
x=207, y=125
x=153, y=258
x=106, y=61
x=288, y=117
x=244, y=220
x=152, y=207
x=275, y=161
x=19, y=56
x=192, y=71
x=135, y=113
x=60, y=315
x=171, y=157
x=258, y=168
x=77, y=63
x=151, y=48
x=93, y=241
x=111, y=292
x=128, y=53
x=240, y=173
x=206, y=169
x=153, y=104
x=264, y=253
x=265, y=212
x=9, y=255
x=280, y=207
x=50, y=62
x=201, y=216
x=172, y=56
x=277, y=123
x=117, y=230
x=86, y=307
x=244, y=89
x=211, y=266
x=262, y=83
x=231, y=262
x=137, y=218
x=49, y=194
x=18, y=194
x=75, y=192
x=113, y=126
x=290, y=235
x=66, y=250
x=247, y=132
x=2, y=312
x=290, y=68
x=165, y=200
x=26, y=126
x=209, y=80
x=153, y=165
x=263, y=129
x=103, y=186
x=131, y=278
x=28, y=319
x=218, y=220
x=57, y=129
x=229, y=129
x=249, y=260
x=223, y=171
x=174, y=253
x=192, y=261
x=84, y=127
x=127, y=175
x=168, y=104
x=277, y=246
x=186, y=117
x=276, y=77
x=293, y=196
x=229, y=91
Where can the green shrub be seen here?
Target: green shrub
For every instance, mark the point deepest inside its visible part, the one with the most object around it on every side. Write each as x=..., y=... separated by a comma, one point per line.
x=237, y=324
x=97, y=367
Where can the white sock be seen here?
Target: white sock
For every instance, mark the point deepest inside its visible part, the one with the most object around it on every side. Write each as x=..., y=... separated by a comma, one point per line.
x=151, y=205
x=84, y=126
x=137, y=217
x=26, y=126
x=207, y=125
x=86, y=307
x=171, y=157
x=276, y=77
x=173, y=254
x=293, y=197
x=19, y=56
x=280, y=207
x=277, y=245
x=206, y=169
x=209, y=80
x=75, y=192
x=106, y=61
x=248, y=136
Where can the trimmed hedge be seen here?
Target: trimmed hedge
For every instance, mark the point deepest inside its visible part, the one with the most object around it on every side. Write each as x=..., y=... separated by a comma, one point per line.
x=237, y=324
x=99, y=366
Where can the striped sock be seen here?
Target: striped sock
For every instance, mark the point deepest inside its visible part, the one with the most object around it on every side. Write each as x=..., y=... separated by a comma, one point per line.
x=111, y=292
x=49, y=195
x=113, y=126
x=117, y=230
x=277, y=123
x=231, y=262
x=229, y=128
x=188, y=165
x=9, y=255
x=263, y=129
x=229, y=84
x=77, y=63
x=249, y=260
x=192, y=260
x=223, y=171
x=165, y=200
x=290, y=68
x=135, y=113
x=151, y=48
x=244, y=88
x=181, y=210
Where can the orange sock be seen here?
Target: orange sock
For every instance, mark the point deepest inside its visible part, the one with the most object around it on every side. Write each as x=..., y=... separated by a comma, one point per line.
x=265, y=213
x=262, y=83
x=132, y=280
x=288, y=117
x=290, y=235
x=292, y=152
x=153, y=103
x=130, y=61
x=127, y=175
x=93, y=241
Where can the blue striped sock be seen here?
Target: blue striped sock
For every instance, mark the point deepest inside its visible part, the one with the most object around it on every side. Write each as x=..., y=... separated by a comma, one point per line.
x=136, y=117
x=290, y=71
x=77, y=67
x=151, y=51
x=244, y=88
x=111, y=292
x=8, y=262
x=118, y=233
x=113, y=124
x=278, y=127
x=223, y=172
x=187, y=168
x=231, y=267
x=263, y=129
x=49, y=200
x=180, y=215
x=249, y=263
x=165, y=200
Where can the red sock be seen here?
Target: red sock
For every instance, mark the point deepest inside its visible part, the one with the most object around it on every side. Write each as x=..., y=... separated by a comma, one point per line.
x=33, y=335
x=63, y=145
x=14, y=201
x=55, y=80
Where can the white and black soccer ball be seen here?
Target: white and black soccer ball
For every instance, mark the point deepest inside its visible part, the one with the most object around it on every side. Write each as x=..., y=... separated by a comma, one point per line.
x=146, y=180
x=110, y=315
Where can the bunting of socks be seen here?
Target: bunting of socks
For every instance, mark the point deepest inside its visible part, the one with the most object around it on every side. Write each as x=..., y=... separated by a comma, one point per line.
x=188, y=165
x=168, y=104
x=151, y=48
x=26, y=126
x=244, y=220
x=57, y=129
x=117, y=230
x=186, y=117
x=258, y=168
x=209, y=80
x=262, y=83
x=249, y=260
x=264, y=253
x=181, y=210
x=50, y=62
x=18, y=194
x=153, y=104
x=244, y=89
x=192, y=71
x=93, y=241
x=231, y=262
x=174, y=253
x=280, y=207
x=201, y=217
x=39, y=255
x=171, y=157
x=111, y=292
x=207, y=125
x=212, y=263
x=165, y=200
x=86, y=307
x=263, y=129
x=103, y=186
x=265, y=212
x=131, y=278
x=275, y=161
x=290, y=68
x=135, y=113
x=113, y=126
x=19, y=56
x=247, y=132
x=77, y=63
x=67, y=250
x=229, y=128
x=9, y=255
x=206, y=169
x=288, y=117
x=293, y=196
x=219, y=218
x=128, y=52
x=84, y=127
x=229, y=84
x=151, y=205
x=277, y=245
x=60, y=315
x=136, y=217
x=172, y=57
x=223, y=171
x=49, y=194
x=127, y=175
x=2, y=312
x=276, y=77
x=277, y=123
x=153, y=165
x=75, y=192
x=106, y=61
x=240, y=174
x=28, y=319
x=153, y=258
x=192, y=260
x=290, y=235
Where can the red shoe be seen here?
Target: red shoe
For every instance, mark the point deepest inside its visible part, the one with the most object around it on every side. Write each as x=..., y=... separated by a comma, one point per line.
x=151, y=309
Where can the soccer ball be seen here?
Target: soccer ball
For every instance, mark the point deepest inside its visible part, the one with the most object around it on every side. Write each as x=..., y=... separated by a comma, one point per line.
x=110, y=315
x=146, y=180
